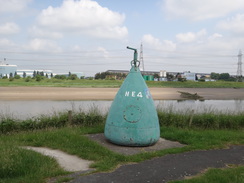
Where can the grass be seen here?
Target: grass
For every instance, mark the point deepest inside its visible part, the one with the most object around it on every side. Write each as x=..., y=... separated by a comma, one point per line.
x=19, y=165
x=19, y=162
x=227, y=175
x=206, y=131
x=117, y=83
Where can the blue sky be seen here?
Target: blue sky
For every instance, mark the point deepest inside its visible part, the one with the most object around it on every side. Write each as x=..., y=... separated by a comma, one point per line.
x=91, y=36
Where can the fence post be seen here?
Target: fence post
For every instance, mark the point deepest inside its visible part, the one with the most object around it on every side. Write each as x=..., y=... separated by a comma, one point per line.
x=70, y=117
x=191, y=117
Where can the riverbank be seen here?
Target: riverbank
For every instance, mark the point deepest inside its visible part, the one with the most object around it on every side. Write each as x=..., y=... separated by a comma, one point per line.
x=64, y=93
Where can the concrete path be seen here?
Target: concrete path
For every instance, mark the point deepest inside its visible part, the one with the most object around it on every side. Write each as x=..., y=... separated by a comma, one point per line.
x=67, y=162
x=169, y=167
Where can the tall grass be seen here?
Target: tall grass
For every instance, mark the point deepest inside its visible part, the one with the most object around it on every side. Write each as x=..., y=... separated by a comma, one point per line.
x=55, y=120
x=209, y=119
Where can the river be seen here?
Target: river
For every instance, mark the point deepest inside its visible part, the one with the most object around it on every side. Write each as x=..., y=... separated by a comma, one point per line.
x=29, y=109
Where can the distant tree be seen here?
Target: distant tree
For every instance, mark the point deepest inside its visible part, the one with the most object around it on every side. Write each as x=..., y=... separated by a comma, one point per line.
x=73, y=77
x=11, y=75
x=15, y=73
x=60, y=77
x=69, y=74
x=98, y=75
x=24, y=74
x=34, y=74
x=156, y=76
x=46, y=75
x=214, y=75
x=224, y=76
x=170, y=77
x=51, y=75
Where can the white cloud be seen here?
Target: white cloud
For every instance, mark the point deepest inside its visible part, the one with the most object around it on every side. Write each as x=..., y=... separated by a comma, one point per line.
x=42, y=45
x=9, y=28
x=215, y=36
x=190, y=36
x=157, y=44
x=83, y=16
x=200, y=10
x=42, y=33
x=13, y=5
x=6, y=43
x=234, y=24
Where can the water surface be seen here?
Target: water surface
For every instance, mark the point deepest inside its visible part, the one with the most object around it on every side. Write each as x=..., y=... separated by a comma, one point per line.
x=29, y=109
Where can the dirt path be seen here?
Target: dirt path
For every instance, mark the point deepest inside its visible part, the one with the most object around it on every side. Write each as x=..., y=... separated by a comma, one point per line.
x=61, y=93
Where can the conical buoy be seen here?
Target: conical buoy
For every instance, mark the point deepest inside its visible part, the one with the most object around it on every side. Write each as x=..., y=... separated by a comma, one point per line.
x=132, y=119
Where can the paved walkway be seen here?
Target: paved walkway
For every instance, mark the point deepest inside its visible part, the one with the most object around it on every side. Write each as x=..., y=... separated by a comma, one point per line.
x=169, y=167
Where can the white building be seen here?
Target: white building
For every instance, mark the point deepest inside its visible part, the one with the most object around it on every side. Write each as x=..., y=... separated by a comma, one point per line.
x=30, y=72
x=189, y=76
x=7, y=70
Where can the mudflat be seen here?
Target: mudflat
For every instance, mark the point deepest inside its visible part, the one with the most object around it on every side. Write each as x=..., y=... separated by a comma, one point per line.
x=63, y=93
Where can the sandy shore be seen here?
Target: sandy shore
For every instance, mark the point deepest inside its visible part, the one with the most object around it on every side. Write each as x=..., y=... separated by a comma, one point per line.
x=60, y=93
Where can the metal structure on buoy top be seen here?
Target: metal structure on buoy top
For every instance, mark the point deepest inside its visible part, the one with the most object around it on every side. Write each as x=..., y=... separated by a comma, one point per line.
x=132, y=119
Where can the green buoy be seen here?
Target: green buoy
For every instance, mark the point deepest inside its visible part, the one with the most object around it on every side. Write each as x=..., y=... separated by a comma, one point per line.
x=132, y=119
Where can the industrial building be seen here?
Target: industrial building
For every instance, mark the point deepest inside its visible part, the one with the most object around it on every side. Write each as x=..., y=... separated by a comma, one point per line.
x=30, y=72
x=163, y=74
x=7, y=70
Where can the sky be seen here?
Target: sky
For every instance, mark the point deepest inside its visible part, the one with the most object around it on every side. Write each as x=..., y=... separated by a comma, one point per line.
x=91, y=36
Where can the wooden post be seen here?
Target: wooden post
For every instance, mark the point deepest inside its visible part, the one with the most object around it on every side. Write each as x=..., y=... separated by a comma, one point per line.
x=191, y=117
x=70, y=117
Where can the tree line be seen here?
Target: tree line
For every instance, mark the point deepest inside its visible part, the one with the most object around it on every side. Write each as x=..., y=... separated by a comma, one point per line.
x=40, y=75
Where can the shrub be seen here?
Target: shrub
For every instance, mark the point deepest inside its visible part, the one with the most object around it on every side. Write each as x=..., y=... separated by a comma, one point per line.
x=17, y=77
x=28, y=79
x=11, y=79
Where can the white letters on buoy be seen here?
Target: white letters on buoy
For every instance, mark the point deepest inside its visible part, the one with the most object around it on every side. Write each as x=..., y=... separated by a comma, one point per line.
x=133, y=94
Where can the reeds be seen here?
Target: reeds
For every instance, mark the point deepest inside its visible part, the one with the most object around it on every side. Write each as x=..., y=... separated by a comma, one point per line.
x=209, y=119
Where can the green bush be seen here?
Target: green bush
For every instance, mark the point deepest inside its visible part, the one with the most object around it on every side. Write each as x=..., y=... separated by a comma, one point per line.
x=11, y=79
x=8, y=125
x=17, y=77
x=28, y=79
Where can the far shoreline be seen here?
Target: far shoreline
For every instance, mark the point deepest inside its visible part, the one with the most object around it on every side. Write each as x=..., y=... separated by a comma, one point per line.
x=64, y=93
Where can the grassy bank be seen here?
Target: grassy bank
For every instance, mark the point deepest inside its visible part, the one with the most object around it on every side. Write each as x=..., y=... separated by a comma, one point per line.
x=117, y=83
x=17, y=163
x=59, y=131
